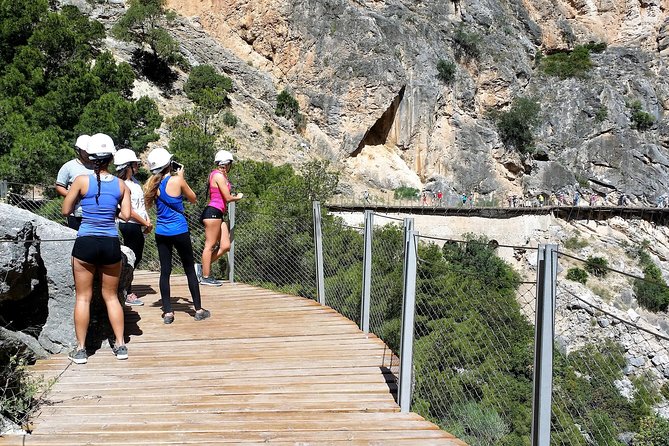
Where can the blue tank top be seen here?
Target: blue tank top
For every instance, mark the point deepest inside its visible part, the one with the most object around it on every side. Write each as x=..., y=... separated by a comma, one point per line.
x=170, y=218
x=99, y=219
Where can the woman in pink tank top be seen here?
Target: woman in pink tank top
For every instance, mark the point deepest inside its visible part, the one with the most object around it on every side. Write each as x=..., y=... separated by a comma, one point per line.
x=216, y=232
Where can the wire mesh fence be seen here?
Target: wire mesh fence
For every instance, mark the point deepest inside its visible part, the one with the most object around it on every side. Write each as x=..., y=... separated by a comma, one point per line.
x=342, y=265
x=610, y=366
x=275, y=251
x=473, y=346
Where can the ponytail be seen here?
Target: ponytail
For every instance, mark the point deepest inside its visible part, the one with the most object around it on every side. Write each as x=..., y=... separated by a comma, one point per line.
x=99, y=164
x=151, y=187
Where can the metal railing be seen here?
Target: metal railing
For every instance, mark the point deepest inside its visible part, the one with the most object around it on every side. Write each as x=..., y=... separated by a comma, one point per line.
x=489, y=355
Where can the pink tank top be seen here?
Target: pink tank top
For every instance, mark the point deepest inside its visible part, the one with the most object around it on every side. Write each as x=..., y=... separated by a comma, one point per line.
x=215, y=198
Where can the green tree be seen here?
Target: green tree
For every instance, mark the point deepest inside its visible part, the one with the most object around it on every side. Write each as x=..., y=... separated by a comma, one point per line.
x=114, y=77
x=319, y=183
x=129, y=123
x=143, y=24
x=193, y=148
x=207, y=88
x=467, y=43
x=516, y=126
x=652, y=292
x=654, y=431
x=18, y=19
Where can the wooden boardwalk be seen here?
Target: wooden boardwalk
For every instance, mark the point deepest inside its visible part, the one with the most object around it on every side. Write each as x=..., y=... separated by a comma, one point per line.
x=267, y=368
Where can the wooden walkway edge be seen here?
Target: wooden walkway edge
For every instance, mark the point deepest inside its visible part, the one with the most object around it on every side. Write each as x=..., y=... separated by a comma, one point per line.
x=267, y=368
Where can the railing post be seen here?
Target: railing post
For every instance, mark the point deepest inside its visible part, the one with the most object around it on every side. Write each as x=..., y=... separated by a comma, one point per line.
x=408, y=228
x=543, y=345
x=3, y=189
x=231, y=253
x=367, y=272
x=407, y=331
x=318, y=246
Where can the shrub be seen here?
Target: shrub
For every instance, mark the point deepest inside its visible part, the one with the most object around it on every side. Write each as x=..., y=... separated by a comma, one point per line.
x=467, y=44
x=19, y=392
x=595, y=47
x=574, y=63
x=267, y=128
x=601, y=114
x=654, y=431
x=597, y=266
x=230, y=119
x=517, y=125
x=446, y=71
x=405, y=192
x=288, y=107
x=652, y=292
x=577, y=275
x=641, y=120
x=575, y=243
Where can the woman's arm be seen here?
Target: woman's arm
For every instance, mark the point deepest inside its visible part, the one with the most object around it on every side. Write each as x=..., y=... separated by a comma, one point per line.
x=126, y=206
x=186, y=191
x=135, y=216
x=73, y=195
x=222, y=183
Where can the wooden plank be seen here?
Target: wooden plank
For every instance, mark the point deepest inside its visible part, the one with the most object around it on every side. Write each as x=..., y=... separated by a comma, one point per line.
x=266, y=368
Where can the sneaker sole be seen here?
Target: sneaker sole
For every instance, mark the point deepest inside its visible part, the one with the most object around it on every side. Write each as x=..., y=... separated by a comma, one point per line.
x=122, y=356
x=133, y=304
x=78, y=361
x=210, y=284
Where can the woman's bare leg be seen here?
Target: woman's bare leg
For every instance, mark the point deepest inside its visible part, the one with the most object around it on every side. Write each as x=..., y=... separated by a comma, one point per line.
x=212, y=227
x=110, y=277
x=223, y=242
x=83, y=285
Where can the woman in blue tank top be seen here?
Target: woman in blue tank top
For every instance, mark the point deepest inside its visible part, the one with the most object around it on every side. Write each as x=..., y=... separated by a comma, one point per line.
x=167, y=189
x=97, y=247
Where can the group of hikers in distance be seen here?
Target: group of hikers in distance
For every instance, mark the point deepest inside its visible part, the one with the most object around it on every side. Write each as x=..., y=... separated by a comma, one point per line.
x=100, y=205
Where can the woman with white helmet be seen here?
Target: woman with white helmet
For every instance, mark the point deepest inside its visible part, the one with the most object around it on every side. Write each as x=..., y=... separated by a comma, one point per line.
x=216, y=230
x=97, y=248
x=133, y=231
x=167, y=189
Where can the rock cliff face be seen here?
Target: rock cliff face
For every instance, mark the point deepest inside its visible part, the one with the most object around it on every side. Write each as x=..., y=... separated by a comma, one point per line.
x=365, y=75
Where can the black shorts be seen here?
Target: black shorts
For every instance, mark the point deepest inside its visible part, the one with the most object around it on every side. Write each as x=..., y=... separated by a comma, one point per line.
x=211, y=212
x=97, y=250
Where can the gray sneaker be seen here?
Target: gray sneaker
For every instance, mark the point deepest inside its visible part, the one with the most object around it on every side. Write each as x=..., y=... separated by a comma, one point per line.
x=78, y=356
x=209, y=281
x=121, y=352
x=198, y=271
x=202, y=315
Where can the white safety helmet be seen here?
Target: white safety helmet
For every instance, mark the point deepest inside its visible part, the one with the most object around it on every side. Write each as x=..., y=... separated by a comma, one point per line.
x=100, y=146
x=223, y=157
x=82, y=142
x=124, y=157
x=158, y=158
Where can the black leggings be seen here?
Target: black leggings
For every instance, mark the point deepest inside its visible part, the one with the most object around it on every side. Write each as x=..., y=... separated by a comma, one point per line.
x=184, y=247
x=133, y=238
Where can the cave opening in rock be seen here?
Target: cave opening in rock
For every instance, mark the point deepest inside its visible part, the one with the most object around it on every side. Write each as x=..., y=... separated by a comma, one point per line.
x=378, y=133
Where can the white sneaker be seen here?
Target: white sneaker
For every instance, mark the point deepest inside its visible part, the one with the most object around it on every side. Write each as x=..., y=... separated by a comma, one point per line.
x=198, y=271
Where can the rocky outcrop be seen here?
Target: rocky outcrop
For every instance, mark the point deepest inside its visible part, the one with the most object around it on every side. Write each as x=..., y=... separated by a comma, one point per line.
x=365, y=76
x=36, y=283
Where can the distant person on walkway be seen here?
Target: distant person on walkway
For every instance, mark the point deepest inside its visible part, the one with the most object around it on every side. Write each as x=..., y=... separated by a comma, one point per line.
x=440, y=198
x=167, y=189
x=424, y=200
x=97, y=248
x=365, y=196
x=135, y=229
x=577, y=198
x=216, y=231
x=66, y=175
x=463, y=198
x=541, y=200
